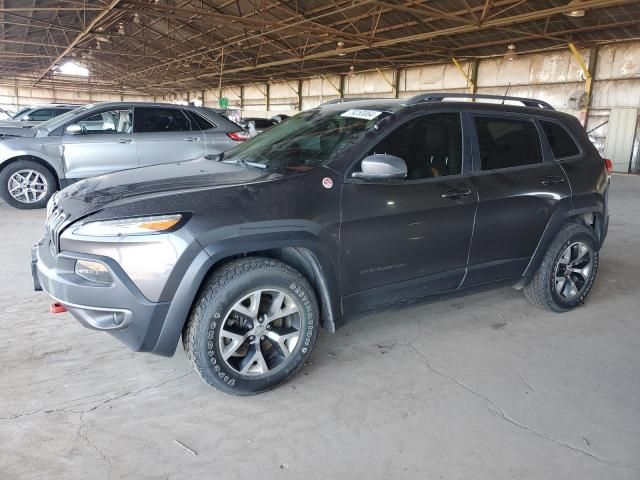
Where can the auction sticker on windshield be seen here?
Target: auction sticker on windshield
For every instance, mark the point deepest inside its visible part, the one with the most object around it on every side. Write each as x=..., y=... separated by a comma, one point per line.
x=362, y=114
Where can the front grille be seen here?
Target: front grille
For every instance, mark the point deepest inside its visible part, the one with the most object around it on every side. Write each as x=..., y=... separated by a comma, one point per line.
x=56, y=220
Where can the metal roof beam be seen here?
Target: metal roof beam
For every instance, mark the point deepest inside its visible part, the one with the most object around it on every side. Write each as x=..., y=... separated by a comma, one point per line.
x=79, y=37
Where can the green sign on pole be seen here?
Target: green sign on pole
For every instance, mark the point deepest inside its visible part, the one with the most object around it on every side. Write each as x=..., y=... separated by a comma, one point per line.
x=223, y=102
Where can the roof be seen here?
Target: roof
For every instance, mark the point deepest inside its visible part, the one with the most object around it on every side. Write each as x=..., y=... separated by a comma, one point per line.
x=415, y=103
x=200, y=44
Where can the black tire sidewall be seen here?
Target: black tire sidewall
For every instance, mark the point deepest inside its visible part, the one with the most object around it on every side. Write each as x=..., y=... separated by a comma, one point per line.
x=210, y=360
x=576, y=237
x=12, y=168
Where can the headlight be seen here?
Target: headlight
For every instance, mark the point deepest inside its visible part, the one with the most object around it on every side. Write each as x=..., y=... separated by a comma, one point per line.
x=128, y=226
x=96, y=272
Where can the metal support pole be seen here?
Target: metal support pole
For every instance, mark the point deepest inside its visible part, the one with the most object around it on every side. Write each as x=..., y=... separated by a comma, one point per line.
x=267, y=97
x=299, y=95
x=470, y=83
x=588, y=77
x=396, y=82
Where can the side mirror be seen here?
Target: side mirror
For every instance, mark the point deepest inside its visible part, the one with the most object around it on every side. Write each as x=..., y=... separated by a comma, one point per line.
x=381, y=166
x=26, y=118
x=73, y=129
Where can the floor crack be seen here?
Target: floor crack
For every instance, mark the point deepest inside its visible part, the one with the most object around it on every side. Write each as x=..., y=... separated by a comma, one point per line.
x=496, y=410
x=101, y=403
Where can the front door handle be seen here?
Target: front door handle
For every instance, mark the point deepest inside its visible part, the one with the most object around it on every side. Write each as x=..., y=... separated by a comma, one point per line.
x=552, y=181
x=192, y=139
x=456, y=193
x=125, y=140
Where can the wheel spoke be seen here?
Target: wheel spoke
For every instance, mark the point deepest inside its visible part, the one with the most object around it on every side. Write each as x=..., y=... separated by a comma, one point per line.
x=583, y=272
x=571, y=287
x=560, y=283
x=236, y=342
x=283, y=308
x=281, y=339
x=250, y=311
x=256, y=359
x=566, y=257
x=582, y=250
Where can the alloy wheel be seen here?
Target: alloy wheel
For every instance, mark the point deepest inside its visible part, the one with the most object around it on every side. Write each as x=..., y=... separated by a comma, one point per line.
x=573, y=270
x=260, y=332
x=27, y=186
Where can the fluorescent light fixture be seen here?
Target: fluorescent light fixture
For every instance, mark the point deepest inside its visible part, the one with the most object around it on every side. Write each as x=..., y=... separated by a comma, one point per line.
x=511, y=53
x=576, y=10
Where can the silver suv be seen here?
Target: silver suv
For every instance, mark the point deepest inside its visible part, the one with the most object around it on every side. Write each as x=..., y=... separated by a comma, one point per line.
x=102, y=138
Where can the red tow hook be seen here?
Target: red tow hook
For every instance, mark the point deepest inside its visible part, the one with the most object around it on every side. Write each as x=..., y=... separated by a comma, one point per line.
x=57, y=308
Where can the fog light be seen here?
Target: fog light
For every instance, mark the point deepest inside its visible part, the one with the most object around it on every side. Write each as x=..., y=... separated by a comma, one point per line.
x=95, y=272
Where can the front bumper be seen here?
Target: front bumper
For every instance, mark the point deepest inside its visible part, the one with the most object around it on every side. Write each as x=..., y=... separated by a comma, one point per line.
x=119, y=309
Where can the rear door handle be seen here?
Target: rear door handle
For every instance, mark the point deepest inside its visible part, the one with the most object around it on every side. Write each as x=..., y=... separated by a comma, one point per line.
x=192, y=139
x=456, y=193
x=552, y=180
x=125, y=140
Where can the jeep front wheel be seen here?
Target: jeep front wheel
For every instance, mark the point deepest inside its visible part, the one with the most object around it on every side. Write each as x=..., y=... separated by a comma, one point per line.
x=253, y=326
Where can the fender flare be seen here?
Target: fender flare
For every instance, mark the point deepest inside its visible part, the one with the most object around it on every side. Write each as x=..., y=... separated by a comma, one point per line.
x=217, y=253
x=563, y=214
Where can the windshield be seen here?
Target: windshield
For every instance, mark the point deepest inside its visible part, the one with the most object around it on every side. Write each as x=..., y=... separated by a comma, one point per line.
x=306, y=141
x=21, y=113
x=64, y=117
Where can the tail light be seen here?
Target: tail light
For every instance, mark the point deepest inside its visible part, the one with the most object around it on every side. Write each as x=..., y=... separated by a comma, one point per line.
x=608, y=165
x=239, y=136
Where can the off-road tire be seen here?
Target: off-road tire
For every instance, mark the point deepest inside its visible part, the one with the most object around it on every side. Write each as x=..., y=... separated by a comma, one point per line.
x=541, y=290
x=220, y=293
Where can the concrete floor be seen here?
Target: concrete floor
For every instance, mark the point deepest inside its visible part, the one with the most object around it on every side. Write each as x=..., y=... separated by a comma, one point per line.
x=479, y=387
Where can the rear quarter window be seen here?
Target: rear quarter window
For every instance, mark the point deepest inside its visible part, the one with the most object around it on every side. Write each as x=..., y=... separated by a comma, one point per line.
x=561, y=143
x=507, y=142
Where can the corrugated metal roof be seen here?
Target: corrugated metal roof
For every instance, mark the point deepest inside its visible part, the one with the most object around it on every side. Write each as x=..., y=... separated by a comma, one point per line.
x=194, y=44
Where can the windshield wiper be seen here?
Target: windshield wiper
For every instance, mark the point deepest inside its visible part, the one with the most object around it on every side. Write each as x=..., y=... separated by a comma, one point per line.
x=244, y=163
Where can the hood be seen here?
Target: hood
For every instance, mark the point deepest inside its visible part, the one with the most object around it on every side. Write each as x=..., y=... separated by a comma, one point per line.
x=18, y=123
x=202, y=174
x=17, y=131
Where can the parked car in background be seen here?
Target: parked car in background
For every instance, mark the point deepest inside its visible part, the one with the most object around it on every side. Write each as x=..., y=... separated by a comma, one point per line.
x=342, y=208
x=31, y=116
x=105, y=137
x=260, y=124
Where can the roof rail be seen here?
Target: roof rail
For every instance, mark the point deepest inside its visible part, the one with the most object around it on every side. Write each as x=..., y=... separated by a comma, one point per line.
x=439, y=97
x=348, y=99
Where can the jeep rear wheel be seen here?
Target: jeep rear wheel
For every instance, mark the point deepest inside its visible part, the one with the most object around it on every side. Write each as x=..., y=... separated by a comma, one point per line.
x=253, y=326
x=567, y=272
x=26, y=184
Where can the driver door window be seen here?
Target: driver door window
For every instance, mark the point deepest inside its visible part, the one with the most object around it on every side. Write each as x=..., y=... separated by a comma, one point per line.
x=109, y=122
x=431, y=145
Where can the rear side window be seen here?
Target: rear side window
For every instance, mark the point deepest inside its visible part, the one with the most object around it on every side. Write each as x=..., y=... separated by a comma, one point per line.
x=506, y=142
x=562, y=145
x=201, y=122
x=148, y=120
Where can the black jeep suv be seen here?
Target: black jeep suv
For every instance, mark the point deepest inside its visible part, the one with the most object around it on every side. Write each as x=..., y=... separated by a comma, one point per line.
x=344, y=207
